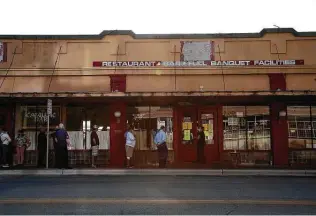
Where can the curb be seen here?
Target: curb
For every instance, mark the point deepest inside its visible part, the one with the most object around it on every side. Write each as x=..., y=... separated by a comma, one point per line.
x=266, y=173
x=160, y=172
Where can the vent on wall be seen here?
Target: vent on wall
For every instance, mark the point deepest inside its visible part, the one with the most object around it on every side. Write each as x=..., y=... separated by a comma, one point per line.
x=277, y=82
x=184, y=103
x=118, y=83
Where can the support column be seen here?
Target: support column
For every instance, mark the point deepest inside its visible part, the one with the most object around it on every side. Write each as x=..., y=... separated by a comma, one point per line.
x=279, y=133
x=219, y=132
x=176, y=134
x=117, y=130
x=279, y=128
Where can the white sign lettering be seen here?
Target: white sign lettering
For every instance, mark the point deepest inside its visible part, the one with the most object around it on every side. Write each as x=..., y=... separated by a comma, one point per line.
x=226, y=63
x=40, y=117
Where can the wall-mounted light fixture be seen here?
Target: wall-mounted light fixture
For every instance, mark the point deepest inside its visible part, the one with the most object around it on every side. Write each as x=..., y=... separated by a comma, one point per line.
x=117, y=114
x=201, y=88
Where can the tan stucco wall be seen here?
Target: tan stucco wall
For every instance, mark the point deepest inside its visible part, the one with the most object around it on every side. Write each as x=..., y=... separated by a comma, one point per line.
x=58, y=84
x=81, y=53
x=193, y=83
x=37, y=58
x=301, y=82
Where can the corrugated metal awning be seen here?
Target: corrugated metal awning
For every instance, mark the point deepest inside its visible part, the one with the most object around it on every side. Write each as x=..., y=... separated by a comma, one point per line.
x=157, y=94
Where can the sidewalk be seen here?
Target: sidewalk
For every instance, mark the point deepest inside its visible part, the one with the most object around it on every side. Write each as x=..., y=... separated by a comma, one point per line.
x=162, y=172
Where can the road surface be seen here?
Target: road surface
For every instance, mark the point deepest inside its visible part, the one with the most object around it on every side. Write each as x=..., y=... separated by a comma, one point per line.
x=157, y=195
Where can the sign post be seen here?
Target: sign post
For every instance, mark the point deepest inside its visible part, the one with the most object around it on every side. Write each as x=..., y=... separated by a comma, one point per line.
x=49, y=113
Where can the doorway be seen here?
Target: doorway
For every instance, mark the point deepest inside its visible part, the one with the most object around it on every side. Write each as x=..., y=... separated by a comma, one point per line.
x=189, y=119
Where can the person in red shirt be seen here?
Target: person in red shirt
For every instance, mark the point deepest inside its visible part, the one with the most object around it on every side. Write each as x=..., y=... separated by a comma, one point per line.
x=94, y=145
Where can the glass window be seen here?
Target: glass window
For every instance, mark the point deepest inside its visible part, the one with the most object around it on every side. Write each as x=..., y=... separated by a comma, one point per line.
x=32, y=118
x=207, y=121
x=258, y=128
x=234, y=128
x=301, y=126
x=79, y=123
x=246, y=128
x=187, y=128
x=146, y=121
x=3, y=119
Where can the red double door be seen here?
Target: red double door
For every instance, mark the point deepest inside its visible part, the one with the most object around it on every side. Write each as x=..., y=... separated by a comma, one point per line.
x=188, y=120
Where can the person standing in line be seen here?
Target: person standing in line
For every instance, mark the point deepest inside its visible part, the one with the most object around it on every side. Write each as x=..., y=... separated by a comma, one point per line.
x=94, y=145
x=56, y=156
x=41, y=148
x=62, y=139
x=22, y=142
x=5, y=141
x=200, y=145
x=160, y=141
x=129, y=146
x=127, y=129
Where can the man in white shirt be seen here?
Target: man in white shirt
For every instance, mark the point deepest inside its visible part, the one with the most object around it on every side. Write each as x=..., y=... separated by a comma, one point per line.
x=5, y=140
x=129, y=146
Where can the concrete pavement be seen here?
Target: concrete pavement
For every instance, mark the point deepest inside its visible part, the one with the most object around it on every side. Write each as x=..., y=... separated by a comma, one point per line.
x=164, y=172
x=66, y=194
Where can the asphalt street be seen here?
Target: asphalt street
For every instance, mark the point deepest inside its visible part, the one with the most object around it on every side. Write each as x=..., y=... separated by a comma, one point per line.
x=157, y=195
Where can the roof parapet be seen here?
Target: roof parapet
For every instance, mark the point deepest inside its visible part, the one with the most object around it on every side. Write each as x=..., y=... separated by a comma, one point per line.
x=159, y=36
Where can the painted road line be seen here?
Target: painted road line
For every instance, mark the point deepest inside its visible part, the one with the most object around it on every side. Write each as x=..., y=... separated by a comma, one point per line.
x=156, y=201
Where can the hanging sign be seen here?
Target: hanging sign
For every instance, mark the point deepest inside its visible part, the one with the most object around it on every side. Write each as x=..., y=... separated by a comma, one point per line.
x=208, y=63
x=49, y=107
x=186, y=135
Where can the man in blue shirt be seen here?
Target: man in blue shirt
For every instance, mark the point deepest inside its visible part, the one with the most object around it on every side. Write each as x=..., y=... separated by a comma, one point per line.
x=160, y=141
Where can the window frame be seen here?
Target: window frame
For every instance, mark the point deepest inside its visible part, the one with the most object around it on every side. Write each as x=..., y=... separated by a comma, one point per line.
x=311, y=122
x=246, y=135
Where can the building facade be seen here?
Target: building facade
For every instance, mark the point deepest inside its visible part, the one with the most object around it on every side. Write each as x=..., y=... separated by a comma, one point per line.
x=253, y=93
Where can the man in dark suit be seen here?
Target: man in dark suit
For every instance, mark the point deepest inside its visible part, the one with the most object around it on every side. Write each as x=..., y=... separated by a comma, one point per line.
x=41, y=148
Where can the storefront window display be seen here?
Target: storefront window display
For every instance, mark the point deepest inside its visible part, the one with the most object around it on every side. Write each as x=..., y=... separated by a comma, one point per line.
x=146, y=121
x=32, y=118
x=246, y=128
x=79, y=123
x=301, y=127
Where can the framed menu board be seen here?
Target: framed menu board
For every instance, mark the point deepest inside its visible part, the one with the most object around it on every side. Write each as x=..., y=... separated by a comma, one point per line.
x=36, y=116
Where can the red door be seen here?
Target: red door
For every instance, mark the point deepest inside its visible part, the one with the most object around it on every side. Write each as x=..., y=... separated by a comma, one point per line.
x=189, y=120
x=207, y=118
x=187, y=144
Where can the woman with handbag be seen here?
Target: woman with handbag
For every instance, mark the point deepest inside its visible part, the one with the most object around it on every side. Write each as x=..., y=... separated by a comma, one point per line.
x=22, y=142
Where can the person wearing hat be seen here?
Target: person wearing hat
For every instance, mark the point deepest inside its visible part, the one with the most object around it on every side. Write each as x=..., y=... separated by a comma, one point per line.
x=94, y=144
